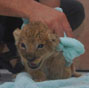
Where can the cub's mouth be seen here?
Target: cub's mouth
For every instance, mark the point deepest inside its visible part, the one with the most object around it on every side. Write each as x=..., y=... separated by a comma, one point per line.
x=35, y=64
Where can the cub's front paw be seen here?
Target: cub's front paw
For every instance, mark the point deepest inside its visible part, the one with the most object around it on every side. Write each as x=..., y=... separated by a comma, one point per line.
x=76, y=74
x=40, y=79
x=39, y=76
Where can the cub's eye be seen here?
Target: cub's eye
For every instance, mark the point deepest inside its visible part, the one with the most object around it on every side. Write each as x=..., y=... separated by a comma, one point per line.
x=23, y=45
x=40, y=46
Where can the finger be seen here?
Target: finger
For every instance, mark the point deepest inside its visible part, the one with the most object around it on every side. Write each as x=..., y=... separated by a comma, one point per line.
x=58, y=29
x=66, y=26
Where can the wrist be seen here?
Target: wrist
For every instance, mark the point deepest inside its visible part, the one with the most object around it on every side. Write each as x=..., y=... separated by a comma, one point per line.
x=17, y=8
x=35, y=9
x=51, y=3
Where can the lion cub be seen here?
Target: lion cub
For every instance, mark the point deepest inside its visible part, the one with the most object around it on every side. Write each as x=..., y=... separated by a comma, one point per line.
x=36, y=45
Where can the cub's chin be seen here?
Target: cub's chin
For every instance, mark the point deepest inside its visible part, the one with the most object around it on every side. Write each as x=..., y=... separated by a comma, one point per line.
x=36, y=64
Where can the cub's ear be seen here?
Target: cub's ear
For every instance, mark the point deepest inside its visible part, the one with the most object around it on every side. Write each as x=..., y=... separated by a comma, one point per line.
x=16, y=34
x=53, y=38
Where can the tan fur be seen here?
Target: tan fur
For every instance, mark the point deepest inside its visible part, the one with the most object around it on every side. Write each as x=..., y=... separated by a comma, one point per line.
x=53, y=62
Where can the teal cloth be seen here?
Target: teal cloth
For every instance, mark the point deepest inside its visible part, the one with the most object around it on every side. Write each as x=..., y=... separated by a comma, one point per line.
x=71, y=47
x=59, y=9
x=25, y=21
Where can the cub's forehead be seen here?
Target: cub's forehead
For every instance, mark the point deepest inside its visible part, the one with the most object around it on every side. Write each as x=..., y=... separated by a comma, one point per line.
x=31, y=36
x=34, y=31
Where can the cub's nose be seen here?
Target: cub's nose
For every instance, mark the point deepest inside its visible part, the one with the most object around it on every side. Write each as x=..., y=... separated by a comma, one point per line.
x=31, y=58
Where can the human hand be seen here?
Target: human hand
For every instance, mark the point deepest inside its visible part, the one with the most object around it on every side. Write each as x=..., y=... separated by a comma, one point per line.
x=55, y=20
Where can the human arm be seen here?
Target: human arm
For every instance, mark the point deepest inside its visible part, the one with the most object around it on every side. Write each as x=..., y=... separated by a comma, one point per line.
x=51, y=3
x=35, y=11
x=18, y=8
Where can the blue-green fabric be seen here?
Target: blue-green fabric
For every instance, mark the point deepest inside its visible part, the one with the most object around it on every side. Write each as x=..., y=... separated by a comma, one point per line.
x=71, y=48
x=25, y=21
x=59, y=9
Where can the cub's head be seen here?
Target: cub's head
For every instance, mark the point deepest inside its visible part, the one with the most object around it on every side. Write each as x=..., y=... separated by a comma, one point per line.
x=35, y=43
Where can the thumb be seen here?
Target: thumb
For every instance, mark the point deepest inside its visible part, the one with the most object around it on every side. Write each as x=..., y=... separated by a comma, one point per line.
x=67, y=28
